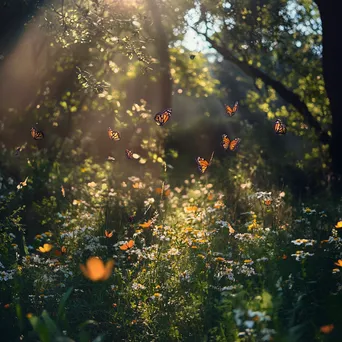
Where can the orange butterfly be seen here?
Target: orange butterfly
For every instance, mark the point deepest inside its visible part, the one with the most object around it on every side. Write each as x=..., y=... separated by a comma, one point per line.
x=127, y=245
x=147, y=224
x=108, y=234
x=279, y=127
x=113, y=135
x=37, y=135
x=202, y=164
x=230, y=144
x=231, y=111
x=163, y=117
x=129, y=153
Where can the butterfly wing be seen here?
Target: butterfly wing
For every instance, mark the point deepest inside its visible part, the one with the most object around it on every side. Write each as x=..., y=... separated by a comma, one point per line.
x=113, y=135
x=202, y=164
x=234, y=144
x=231, y=111
x=129, y=153
x=163, y=117
x=279, y=127
x=37, y=135
x=225, y=141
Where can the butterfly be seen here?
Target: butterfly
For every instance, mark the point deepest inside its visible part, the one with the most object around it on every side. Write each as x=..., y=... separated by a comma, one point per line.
x=113, y=135
x=230, y=144
x=231, y=111
x=108, y=234
x=202, y=164
x=37, y=135
x=127, y=245
x=129, y=153
x=279, y=127
x=192, y=56
x=163, y=117
x=62, y=250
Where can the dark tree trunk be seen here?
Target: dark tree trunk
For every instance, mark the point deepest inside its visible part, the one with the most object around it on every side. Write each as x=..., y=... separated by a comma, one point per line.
x=162, y=46
x=332, y=72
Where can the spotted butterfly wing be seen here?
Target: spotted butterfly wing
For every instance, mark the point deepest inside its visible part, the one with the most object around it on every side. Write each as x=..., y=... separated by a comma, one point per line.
x=163, y=117
x=230, y=111
x=279, y=127
x=225, y=141
x=113, y=135
x=37, y=135
x=203, y=164
x=129, y=153
x=234, y=144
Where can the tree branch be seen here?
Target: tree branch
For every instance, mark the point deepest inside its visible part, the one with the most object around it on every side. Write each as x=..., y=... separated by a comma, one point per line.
x=286, y=94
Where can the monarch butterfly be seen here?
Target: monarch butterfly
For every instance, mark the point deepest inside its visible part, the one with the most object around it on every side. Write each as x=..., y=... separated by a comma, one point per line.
x=37, y=135
x=279, y=127
x=108, y=234
x=127, y=245
x=230, y=144
x=202, y=164
x=231, y=111
x=163, y=117
x=129, y=153
x=113, y=135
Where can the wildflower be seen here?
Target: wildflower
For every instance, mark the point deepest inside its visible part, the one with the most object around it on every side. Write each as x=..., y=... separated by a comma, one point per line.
x=127, y=245
x=248, y=261
x=91, y=184
x=338, y=225
x=282, y=194
x=220, y=259
x=29, y=315
x=339, y=263
x=335, y=270
x=6, y=306
x=190, y=209
x=46, y=248
x=146, y=224
x=326, y=329
x=96, y=270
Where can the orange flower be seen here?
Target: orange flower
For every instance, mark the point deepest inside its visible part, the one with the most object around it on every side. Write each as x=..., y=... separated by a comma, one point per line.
x=59, y=252
x=46, y=248
x=339, y=263
x=146, y=224
x=190, y=209
x=284, y=257
x=6, y=306
x=127, y=245
x=96, y=270
x=268, y=202
x=108, y=234
x=220, y=259
x=326, y=329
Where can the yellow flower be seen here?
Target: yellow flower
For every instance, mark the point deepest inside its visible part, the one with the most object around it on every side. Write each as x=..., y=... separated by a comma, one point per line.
x=253, y=225
x=46, y=248
x=29, y=315
x=157, y=294
x=248, y=261
x=220, y=259
x=190, y=209
x=338, y=225
x=96, y=270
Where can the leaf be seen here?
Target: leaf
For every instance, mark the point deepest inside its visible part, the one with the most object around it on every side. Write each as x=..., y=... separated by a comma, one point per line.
x=61, y=311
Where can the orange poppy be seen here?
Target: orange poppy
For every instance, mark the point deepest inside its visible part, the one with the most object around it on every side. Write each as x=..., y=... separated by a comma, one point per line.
x=146, y=224
x=326, y=329
x=108, y=234
x=127, y=245
x=96, y=270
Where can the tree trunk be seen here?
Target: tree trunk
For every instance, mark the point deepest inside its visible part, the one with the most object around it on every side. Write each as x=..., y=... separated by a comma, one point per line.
x=162, y=46
x=332, y=72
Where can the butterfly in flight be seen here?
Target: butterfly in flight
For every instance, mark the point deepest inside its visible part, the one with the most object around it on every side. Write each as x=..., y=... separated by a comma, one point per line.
x=163, y=117
x=279, y=127
x=129, y=153
x=108, y=234
x=230, y=111
x=113, y=135
x=230, y=144
x=203, y=164
x=37, y=135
